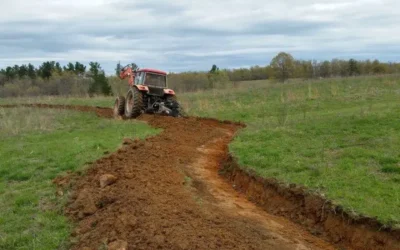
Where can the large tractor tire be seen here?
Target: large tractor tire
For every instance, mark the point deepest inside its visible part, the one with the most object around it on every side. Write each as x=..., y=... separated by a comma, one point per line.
x=134, y=103
x=177, y=111
x=119, y=106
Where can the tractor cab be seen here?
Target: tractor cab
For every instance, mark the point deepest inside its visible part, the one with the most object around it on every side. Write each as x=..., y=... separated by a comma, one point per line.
x=151, y=77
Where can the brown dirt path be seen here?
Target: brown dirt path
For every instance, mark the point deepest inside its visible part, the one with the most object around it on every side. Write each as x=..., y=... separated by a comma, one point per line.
x=168, y=195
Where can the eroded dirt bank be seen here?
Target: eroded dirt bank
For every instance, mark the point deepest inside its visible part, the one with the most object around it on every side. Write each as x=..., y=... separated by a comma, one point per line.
x=311, y=211
x=166, y=193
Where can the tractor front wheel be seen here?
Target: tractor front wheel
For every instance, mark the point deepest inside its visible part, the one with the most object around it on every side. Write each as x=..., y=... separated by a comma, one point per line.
x=119, y=106
x=134, y=103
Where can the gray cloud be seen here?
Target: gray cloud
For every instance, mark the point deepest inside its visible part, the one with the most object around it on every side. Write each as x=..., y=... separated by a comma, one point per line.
x=192, y=35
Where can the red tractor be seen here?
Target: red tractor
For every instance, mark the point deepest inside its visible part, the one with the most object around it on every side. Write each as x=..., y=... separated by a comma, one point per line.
x=148, y=93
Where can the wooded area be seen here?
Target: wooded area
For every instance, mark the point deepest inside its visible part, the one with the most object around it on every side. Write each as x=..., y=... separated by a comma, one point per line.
x=50, y=78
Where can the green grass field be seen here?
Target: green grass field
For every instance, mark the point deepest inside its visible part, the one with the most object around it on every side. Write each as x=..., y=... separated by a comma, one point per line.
x=339, y=137
x=100, y=101
x=36, y=145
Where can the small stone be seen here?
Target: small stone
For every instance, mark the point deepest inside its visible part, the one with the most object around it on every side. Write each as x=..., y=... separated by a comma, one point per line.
x=127, y=141
x=85, y=203
x=118, y=245
x=89, y=208
x=60, y=193
x=107, y=179
x=81, y=215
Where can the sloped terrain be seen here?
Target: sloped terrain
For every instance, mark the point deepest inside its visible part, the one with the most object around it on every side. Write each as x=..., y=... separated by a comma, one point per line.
x=165, y=193
x=168, y=194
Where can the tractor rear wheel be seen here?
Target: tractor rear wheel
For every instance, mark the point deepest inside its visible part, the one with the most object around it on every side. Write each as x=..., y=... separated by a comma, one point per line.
x=177, y=111
x=119, y=106
x=134, y=103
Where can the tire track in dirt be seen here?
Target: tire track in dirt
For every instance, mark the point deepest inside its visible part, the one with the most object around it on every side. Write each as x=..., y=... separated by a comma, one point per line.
x=168, y=195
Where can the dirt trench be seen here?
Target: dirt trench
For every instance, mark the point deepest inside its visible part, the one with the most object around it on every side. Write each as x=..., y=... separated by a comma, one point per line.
x=166, y=193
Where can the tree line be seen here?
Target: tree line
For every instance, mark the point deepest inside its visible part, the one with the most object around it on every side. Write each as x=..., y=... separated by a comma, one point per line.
x=285, y=66
x=50, y=78
x=282, y=67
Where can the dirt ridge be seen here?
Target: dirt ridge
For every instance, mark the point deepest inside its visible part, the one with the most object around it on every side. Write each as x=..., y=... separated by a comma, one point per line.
x=311, y=210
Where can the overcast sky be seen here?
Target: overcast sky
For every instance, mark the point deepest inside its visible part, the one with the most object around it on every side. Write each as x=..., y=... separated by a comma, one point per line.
x=185, y=35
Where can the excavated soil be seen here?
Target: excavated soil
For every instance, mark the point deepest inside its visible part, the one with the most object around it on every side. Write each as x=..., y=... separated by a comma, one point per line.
x=165, y=192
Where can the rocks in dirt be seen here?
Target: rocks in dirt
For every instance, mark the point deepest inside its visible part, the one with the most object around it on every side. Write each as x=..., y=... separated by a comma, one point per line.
x=107, y=179
x=90, y=208
x=118, y=245
x=84, y=203
x=128, y=221
x=127, y=141
x=105, y=200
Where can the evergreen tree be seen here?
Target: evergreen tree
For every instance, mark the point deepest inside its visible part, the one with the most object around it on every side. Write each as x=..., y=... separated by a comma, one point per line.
x=100, y=83
x=118, y=69
x=23, y=71
x=31, y=71
x=46, y=69
x=80, y=69
x=353, y=67
x=70, y=67
x=10, y=73
x=58, y=68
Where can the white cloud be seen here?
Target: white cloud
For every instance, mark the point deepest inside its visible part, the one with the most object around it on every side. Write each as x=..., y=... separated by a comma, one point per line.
x=189, y=35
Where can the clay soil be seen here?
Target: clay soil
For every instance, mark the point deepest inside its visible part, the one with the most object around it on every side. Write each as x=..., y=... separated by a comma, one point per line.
x=166, y=193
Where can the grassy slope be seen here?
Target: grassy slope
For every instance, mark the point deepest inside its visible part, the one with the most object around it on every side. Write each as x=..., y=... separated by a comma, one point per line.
x=36, y=146
x=336, y=136
x=340, y=137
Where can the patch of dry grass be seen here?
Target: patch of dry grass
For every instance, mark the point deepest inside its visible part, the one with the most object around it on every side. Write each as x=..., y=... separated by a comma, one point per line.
x=20, y=120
